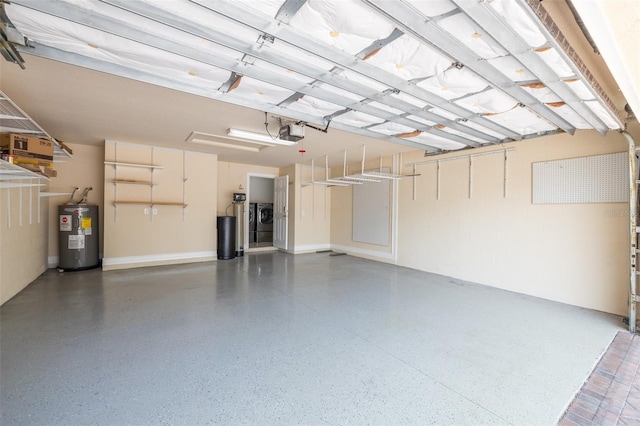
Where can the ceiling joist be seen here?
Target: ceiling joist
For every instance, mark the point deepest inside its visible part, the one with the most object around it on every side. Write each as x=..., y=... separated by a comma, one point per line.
x=413, y=22
x=393, y=70
x=496, y=27
x=107, y=24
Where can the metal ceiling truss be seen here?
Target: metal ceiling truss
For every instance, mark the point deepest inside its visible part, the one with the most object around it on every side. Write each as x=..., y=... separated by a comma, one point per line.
x=494, y=25
x=296, y=65
x=134, y=74
x=379, y=44
x=109, y=25
x=427, y=30
x=407, y=20
x=288, y=9
x=81, y=16
x=10, y=36
x=344, y=60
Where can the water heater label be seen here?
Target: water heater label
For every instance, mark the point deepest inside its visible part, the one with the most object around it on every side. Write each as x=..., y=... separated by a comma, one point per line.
x=86, y=223
x=76, y=242
x=65, y=222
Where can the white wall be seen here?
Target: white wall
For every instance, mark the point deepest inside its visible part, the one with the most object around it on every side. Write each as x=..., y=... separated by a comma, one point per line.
x=232, y=176
x=85, y=169
x=342, y=217
x=136, y=237
x=309, y=211
x=23, y=239
x=572, y=253
x=30, y=245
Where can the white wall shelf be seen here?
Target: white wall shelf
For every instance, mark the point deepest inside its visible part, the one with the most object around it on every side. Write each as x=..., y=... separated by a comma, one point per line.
x=142, y=182
x=54, y=194
x=150, y=203
x=19, y=185
x=146, y=166
x=134, y=182
x=15, y=120
x=14, y=176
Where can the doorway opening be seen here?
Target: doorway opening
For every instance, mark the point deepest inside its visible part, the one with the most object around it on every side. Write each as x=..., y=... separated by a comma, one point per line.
x=260, y=214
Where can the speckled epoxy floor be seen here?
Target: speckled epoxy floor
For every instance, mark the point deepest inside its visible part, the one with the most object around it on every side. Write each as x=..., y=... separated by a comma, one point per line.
x=273, y=338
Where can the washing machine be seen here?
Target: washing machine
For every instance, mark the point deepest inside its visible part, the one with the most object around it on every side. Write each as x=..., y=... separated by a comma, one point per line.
x=264, y=224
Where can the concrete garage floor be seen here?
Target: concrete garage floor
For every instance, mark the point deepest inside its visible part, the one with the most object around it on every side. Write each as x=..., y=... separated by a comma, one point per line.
x=278, y=339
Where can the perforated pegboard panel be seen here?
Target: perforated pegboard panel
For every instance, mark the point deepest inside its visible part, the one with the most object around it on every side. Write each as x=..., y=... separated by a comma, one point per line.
x=594, y=179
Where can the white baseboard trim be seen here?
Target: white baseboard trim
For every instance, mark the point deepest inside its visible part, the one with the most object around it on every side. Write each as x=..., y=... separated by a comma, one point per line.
x=365, y=253
x=311, y=248
x=259, y=249
x=157, y=259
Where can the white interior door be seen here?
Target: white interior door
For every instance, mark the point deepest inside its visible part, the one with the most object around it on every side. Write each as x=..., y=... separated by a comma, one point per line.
x=280, y=212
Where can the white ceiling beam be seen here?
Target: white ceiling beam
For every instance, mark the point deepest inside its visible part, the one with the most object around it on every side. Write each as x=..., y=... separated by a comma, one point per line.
x=109, y=25
x=344, y=60
x=379, y=44
x=133, y=74
x=411, y=21
x=494, y=25
x=296, y=65
x=288, y=9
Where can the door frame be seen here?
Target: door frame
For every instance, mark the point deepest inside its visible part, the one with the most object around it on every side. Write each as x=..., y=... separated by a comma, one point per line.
x=277, y=216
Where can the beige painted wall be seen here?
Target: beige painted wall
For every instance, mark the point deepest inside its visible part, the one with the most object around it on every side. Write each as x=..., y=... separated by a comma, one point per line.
x=85, y=169
x=572, y=253
x=23, y=239
x=311, y=212
x=137, y=237
x=342, y=216
x=233, y=175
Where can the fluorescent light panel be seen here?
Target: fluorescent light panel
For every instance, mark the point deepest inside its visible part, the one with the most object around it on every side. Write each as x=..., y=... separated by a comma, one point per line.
x=225, y=142
x=258, y=137
x=226, y=145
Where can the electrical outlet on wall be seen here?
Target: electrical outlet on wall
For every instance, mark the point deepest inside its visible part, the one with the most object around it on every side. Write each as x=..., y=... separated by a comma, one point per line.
x=154, y=211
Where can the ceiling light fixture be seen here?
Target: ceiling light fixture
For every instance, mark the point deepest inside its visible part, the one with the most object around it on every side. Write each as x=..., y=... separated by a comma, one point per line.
x=258, y=137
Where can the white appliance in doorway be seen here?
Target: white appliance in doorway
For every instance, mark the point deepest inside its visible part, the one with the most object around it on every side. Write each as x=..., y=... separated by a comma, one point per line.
x=264, y=223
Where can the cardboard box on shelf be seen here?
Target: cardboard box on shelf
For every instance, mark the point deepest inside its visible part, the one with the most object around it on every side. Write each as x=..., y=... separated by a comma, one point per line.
x=51, y=173
x=27, y=147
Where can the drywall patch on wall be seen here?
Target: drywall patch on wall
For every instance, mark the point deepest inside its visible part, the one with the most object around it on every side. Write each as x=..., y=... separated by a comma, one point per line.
x=593, y=179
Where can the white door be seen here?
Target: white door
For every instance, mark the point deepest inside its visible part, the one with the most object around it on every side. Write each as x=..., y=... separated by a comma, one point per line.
x=280, y=212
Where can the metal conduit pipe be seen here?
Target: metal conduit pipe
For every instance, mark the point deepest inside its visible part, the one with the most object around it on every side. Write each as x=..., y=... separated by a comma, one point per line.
x=633, y=235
